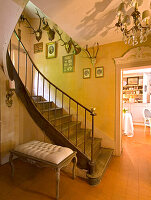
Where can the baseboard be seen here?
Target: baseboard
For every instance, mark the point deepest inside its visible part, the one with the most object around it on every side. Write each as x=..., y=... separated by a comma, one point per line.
x=5, y=159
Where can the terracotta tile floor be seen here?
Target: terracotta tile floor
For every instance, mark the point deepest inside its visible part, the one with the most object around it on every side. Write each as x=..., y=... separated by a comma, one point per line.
x=128, y=177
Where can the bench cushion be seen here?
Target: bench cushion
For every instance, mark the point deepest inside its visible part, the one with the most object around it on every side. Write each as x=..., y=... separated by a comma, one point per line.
x=44, y=151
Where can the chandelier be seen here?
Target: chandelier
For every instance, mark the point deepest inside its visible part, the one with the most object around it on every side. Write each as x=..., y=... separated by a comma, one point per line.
x=134, y=26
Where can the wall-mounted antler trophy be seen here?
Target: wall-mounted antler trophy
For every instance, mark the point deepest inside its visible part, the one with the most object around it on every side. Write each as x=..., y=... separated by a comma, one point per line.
x=76, y=47
x=68, y=44
x=38, y=32
x=94, y=54
x=50, y=32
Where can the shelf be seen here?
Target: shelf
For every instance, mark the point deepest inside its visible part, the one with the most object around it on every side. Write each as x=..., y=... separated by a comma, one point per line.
x=132, y=90
x=133, y=85
x=134, y=94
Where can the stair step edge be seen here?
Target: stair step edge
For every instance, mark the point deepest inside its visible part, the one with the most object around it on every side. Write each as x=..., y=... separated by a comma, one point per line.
x=101, y=166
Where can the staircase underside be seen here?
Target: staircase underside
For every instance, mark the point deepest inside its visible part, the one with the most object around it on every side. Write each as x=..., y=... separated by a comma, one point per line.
x=56, y=125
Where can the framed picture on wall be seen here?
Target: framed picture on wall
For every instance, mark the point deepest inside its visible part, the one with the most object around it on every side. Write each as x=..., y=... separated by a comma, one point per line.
x=51, y=50
x=68, y=63
x=86, y=73
x=38, y=47
x=99, y=72
x=132, y=80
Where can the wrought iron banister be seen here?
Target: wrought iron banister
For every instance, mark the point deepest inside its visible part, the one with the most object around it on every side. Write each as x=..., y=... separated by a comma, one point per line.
x=50, y=85
x=46, y=77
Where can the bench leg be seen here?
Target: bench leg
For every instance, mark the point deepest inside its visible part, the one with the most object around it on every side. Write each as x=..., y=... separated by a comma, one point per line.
x=57, y=183
x=74, y=167
x=11, y=163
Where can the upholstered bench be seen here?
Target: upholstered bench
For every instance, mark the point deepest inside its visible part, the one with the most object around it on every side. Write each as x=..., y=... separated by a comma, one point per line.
x=45, y=155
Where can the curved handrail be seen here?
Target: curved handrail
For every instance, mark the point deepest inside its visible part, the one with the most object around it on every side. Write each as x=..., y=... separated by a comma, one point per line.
x=48, y=80
x=40, y=120
x=91, y=111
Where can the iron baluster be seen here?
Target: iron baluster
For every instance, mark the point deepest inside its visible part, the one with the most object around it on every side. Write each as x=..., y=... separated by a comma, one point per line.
x=26, y=72
x=92, y=143
x=18, y=54
x=92, y=163
x=43, y=93
x=55, y=104
x=62, y=110
x=37, y=86
x=85, y=130
x=77, y=127
x=69, y=122
x=49, y=104
x=32, y=80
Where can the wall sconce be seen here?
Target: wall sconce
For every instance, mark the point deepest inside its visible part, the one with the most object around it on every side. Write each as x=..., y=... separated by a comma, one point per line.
x=10, y=88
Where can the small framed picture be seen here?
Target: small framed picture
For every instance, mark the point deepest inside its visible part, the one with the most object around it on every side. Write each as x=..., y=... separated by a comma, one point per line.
x=99, y=72
x=51, y=50
x=86, y=73
x=38, y=47
x=68, y=63
x=133, y=80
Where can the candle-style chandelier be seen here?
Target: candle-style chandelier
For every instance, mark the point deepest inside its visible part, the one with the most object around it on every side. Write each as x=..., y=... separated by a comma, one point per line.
x=135, y=26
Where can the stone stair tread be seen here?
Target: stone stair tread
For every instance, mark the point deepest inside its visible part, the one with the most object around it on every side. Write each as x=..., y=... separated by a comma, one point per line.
x=102, y=161
x=68, y=124
x=59, y=117
x=97, y=145
x=41, y=102
x=80, y=133
x=51, y=109
x=39, y=97
x=80, y=136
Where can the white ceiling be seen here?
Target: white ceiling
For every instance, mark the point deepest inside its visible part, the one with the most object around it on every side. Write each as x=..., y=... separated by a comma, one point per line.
x=86, y=21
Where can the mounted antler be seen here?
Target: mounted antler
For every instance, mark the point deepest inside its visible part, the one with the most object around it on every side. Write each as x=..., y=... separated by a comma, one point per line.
x=38, y=32
x=94, y=55
x=77, y=49
x=68, y=44
x=46, y=27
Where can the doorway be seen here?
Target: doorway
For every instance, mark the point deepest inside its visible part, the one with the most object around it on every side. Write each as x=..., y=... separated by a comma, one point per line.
x=134, y=58
x=136, y=103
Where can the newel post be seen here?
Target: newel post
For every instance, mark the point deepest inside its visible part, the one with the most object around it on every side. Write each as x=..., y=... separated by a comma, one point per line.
x=92, y=163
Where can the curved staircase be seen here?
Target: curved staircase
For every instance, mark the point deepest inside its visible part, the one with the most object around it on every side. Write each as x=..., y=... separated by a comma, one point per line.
x=60, y=124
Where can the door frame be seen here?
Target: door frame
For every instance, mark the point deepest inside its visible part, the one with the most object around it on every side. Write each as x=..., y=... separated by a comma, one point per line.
x=133, y=58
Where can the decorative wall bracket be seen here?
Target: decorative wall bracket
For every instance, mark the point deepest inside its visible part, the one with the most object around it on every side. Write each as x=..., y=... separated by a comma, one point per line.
x=43, y=25
x=68, y=44
x=10, y=88
x=94, y=54
x=9, y=95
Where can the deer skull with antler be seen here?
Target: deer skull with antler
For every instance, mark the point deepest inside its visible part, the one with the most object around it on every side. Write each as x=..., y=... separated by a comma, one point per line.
x=94, y=54
x=68, y=44
x=38, y=32
x=50, y=32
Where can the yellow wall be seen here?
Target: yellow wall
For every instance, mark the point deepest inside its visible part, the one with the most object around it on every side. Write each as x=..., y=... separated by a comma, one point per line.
x=16, y=125
x=93, y=92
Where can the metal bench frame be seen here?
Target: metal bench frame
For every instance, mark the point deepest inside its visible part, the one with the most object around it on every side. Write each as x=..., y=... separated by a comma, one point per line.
x=42, y=163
